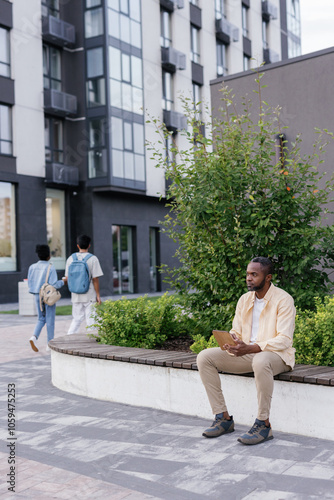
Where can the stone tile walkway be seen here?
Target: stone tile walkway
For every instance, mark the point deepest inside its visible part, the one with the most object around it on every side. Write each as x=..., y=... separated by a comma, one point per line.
x=69, y=446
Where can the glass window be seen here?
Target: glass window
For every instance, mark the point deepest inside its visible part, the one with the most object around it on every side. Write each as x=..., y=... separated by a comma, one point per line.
x=93, y=22
x=113, y=23
x=51, y=68
x=165, y=29
x=95, y=62
x=97, y=157
x=138, y=138
x=194, y=38
x=92, y=3
x=245, y=21
x=53, y=140
x=246, y=62
x=55, y=226
x=124, y=21
x=7, y=227
x=126, y=74
x=154, y=259
x=135, y=10
x=96, y=92
x=50, y=8
x=6, y=146
x=125, y=29
x=117, y=132
x=167, y=91
x=127, y=95
x=265, y=34
x=221, y=59
x=122, y=246
x=4, y=53
x=115, y=63
x=128, y=136
x=197, y=101
x=136, y=72
x=220, y=9
x=117, y=163
x=128, y=149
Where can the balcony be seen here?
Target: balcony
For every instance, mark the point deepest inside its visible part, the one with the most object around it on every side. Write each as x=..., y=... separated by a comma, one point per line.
x=58, y=32
x=225, y=31
x=172, y=59
x=171, y=4
x=269, y=11
x=270, y=56
x=59, y=103
x=174, y=121
x=62, y=174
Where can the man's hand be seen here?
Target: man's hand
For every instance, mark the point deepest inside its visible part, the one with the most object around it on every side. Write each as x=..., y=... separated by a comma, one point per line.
x=240, y=349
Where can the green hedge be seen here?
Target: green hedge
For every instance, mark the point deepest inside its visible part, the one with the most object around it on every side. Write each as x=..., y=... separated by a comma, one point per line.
x=147, y=324
x=140, y=322
x=314, y=334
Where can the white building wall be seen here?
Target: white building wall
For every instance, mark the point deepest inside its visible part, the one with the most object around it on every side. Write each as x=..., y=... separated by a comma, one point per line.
x=27, y=72
x=182, y=79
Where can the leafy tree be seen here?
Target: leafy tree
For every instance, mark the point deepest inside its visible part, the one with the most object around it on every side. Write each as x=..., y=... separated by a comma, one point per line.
x=236, y=194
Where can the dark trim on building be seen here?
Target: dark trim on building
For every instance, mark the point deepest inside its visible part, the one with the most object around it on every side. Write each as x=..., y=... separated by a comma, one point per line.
x=247, y=46
x=8, y=165
x=195, y=15
x=7, y=95
x=197, y=73
x=284, y=30
x=6, y=14
x=267, y=67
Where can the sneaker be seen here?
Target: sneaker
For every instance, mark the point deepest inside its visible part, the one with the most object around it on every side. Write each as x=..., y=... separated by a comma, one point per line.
x=33, y=341
x=257, y=434
x=219, y=426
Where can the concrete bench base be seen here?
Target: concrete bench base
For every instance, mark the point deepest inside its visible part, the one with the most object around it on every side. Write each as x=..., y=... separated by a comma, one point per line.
x=297, y=408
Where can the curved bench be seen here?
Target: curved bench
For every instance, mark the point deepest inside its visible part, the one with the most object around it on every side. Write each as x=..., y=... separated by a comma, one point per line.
x=169, y=380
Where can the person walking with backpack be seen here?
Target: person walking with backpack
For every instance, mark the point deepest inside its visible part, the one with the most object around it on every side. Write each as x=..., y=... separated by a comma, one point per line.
x=83, y=271
x=38, y=273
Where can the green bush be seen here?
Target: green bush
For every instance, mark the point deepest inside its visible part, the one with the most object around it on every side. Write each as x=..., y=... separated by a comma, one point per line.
x=141, y=323
x=313, y=337
x=234, y=194
x=314, y=334
x=201, y=343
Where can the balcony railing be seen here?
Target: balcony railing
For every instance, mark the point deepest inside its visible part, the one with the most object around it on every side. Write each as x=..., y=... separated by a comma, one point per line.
x=172, y=59
x=270, y=56
x=62, y=174
x=58, y=32
x=225, y=31
x=174, y=121
x=59, y=103
x=269, y=11
x=171, y=4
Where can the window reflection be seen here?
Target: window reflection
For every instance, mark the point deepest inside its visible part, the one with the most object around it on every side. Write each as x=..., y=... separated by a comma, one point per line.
x=55, y=226
x=7, y=227
x=122, y=246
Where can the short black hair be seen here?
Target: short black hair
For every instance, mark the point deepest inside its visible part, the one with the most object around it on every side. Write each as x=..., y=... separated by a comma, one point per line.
x=265, y=263
x=43, y=252
x=83, y=241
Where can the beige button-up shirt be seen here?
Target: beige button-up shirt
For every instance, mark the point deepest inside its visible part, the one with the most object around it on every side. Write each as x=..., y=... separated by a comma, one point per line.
x=277, y=323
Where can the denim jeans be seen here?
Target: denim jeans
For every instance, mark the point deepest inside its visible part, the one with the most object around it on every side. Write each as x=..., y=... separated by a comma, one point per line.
x=47, y=316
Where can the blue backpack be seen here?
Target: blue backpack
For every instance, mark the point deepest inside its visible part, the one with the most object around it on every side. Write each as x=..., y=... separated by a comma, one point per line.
x=78, y=274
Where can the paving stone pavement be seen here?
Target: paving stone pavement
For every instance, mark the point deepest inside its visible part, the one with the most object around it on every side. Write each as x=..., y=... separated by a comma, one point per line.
x=70, y=446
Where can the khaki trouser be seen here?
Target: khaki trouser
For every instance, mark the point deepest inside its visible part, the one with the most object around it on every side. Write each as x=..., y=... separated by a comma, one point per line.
x=264, y=364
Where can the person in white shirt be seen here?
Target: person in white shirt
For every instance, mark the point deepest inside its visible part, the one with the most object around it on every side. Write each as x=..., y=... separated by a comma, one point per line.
x=82, y=303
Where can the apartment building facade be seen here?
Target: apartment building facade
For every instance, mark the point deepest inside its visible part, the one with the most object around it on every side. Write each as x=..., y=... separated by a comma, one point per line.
x=79, y=82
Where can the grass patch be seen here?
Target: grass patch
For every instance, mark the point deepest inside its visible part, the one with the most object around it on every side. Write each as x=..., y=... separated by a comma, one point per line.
x=60, y=311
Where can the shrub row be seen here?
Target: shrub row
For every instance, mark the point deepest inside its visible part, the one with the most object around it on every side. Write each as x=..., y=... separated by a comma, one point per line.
x=147, y=324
